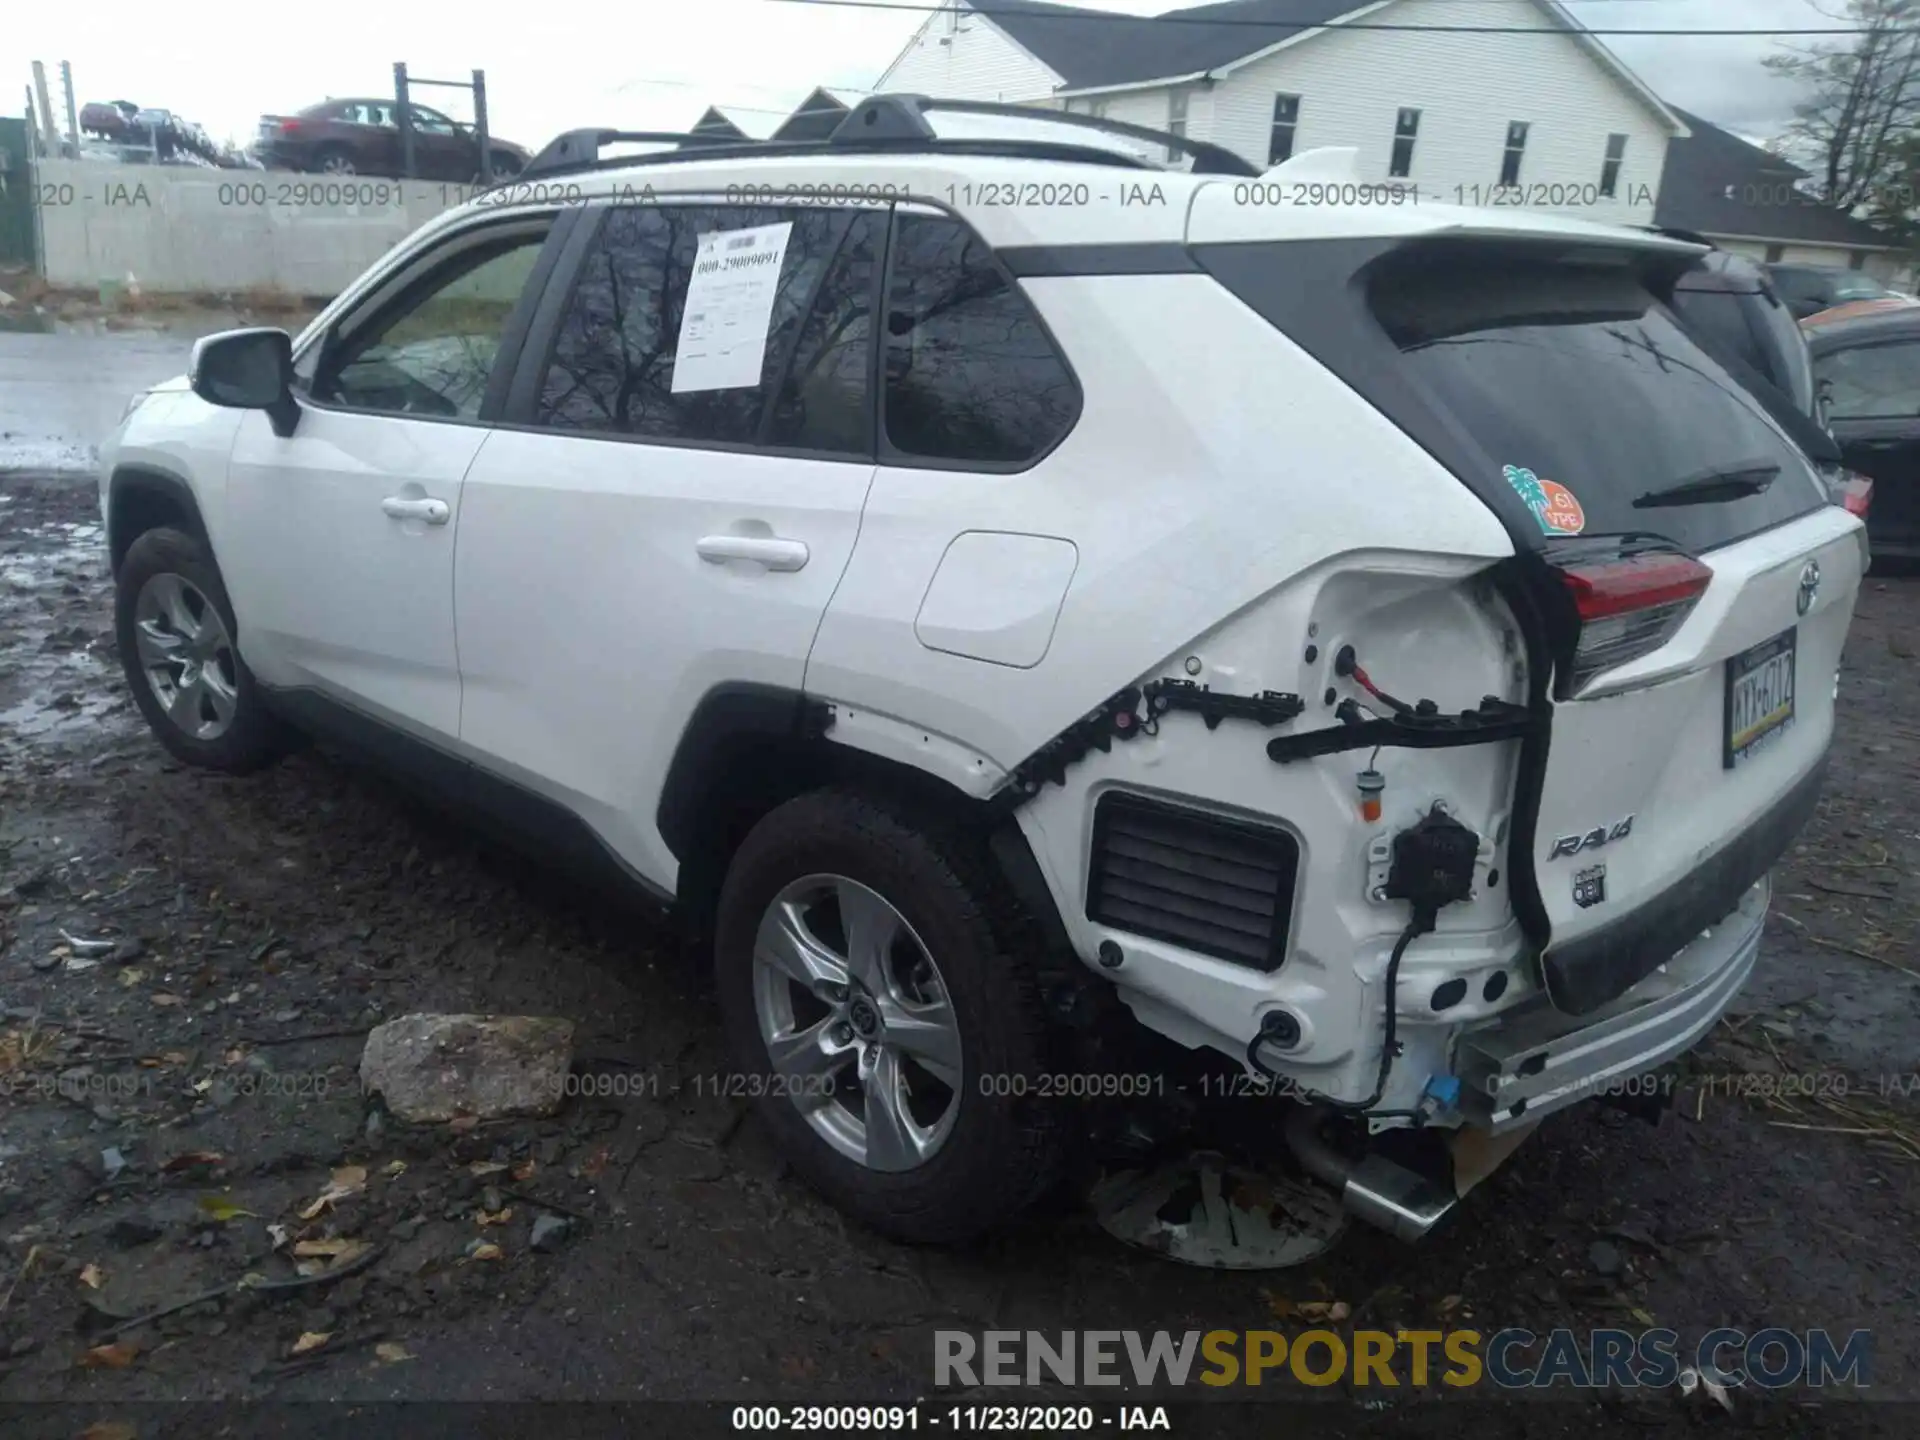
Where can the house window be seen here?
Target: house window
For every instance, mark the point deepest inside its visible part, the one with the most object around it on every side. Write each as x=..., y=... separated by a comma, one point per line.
x=1176, y=112
x=1516, y=147
x=1774, y=254
x=1097, y=109
x=1610, y=167
x=1406, y=129
x=1857, y=260
x=1286, y=115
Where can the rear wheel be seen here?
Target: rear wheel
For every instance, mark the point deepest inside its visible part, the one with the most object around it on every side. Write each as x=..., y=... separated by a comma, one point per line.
x=176, y=634
x=881, y=1002
x=335, y=160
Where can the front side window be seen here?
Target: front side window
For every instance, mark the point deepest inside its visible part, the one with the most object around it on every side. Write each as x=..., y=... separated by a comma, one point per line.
x=1406, y=130
x=433, y=352
x=1286, y=119
x=971, y=375
x=1872, y=382
x=1516, y=149
x=1610, y=166
x=431, y=121
x=647, y=348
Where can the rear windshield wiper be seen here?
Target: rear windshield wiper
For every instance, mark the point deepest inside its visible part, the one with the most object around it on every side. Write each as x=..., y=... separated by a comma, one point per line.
x=1735, y=483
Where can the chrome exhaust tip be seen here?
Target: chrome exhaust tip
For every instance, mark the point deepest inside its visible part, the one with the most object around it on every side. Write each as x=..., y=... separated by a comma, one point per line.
x=1378, y=1191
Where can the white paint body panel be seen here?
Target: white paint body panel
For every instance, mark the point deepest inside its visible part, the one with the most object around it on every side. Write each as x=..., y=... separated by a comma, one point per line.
x=995, y=597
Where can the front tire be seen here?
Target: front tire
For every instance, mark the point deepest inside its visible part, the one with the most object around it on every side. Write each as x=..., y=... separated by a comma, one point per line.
x=176, y=635
x=878, y=989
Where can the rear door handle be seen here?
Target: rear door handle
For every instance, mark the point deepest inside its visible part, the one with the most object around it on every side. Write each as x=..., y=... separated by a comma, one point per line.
x=768, y=550
x=434, y=512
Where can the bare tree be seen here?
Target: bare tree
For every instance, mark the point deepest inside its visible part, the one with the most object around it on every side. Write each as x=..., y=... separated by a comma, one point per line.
x=1863, y=99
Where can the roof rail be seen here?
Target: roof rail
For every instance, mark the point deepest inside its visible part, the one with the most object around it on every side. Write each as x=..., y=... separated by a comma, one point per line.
x=901, y=119
x=580, y=149
x=883, y=124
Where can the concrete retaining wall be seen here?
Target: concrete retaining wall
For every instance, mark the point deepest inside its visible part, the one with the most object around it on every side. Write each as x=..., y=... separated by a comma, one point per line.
x=179, y=229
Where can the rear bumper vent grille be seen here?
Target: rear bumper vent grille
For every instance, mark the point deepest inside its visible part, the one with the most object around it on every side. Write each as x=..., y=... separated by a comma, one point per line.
x=1221, y=887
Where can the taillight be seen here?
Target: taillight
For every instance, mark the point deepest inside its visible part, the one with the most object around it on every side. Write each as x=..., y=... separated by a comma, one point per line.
x=1629, y=608
x=287, y=127
x=1856, y=493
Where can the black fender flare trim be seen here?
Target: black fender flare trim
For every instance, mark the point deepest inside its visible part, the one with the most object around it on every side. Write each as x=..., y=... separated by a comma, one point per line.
x=726, y=715
x=145, y=476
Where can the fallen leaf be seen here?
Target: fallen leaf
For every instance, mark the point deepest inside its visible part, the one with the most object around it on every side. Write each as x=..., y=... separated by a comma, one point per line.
x=220, y=1208
x=108, y=1430
x=597, y=1162
x=1642, y=1316
x=393, y=1168
x=166, y=998
x=92, y=1277
x=341, y=1252
x=202, y=1085
x=131, y=976
x=485, y=1251
x=116, y=1356
x=485, y=1167
x=234, y=1056
x=311, y=1340
x=461, y=1124
x=498, y=1217
x=277, y=1233
x=391, y=1352
x=1279, y=1306
x=187, y=1159
x=1323, y=1310
x=1450, y=1303
x=523, y=1172
x=348, y=1181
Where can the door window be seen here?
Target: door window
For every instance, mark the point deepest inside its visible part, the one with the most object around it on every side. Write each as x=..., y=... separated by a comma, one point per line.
x=971, y=375
x=1873, y=382
x=629, y=359
x=431, y=352
x=431, y=122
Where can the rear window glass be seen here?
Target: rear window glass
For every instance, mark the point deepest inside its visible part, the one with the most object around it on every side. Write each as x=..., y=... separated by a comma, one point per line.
x=1589, y=395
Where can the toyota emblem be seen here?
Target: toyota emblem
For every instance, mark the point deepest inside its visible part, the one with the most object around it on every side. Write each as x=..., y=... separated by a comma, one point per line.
x=1809, y=586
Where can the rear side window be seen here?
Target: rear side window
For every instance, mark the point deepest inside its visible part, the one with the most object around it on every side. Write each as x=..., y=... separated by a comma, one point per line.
x=615, y=354
x=971, y=375
x=1590, y=397
x=1873, y=382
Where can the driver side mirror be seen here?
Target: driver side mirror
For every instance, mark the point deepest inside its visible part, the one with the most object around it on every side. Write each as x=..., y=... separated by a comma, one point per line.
x=248, y=369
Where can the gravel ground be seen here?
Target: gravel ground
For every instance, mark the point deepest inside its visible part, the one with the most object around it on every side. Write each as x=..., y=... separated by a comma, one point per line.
x=170, y=1109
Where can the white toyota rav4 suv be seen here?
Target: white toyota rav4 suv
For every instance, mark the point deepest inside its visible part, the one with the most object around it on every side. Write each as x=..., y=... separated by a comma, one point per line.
x=982, y=570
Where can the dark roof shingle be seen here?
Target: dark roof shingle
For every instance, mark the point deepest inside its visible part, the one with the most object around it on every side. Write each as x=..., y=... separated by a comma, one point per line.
x=1715, y=183
x=1097, y=47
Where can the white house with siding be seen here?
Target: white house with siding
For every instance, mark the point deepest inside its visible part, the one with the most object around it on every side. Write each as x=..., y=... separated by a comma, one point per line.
x=1546, y=116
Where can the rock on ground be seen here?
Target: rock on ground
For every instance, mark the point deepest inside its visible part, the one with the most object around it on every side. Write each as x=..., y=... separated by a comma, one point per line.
x=437, y=1067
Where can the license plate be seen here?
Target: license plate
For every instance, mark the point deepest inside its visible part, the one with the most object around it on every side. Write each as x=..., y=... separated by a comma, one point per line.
x=1759, y=697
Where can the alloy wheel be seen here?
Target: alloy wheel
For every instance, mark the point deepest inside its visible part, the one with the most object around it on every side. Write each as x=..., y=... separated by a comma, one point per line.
x=186, y=656
x=858, y=1024
x=337, y=164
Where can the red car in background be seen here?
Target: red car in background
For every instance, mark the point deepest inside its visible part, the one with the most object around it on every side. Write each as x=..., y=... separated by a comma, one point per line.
x=362, y=137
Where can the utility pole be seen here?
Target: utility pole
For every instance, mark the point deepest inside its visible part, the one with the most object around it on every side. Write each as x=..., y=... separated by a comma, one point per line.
x=73, y=117
x=50, y=135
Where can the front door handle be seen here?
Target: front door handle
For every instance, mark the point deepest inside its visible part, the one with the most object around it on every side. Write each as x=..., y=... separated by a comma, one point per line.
x=434, y=512
x=768, y=550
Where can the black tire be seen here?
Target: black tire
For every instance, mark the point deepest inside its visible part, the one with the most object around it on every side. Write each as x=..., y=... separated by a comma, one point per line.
x=1004, y=1152
x=255, y=738
x=339, y=156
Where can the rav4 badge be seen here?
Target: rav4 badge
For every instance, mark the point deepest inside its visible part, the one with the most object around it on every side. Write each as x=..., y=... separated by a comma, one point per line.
x=1600, y=835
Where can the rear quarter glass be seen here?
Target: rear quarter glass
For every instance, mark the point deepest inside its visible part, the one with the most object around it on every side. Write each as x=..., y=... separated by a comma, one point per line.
x=1587, y=393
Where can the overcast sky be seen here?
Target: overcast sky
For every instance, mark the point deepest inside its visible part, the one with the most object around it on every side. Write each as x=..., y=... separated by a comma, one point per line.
x=658, y=63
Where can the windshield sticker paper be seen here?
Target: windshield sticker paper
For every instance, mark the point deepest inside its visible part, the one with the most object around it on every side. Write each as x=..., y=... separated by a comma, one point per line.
x=723, y=330
x=1552, y=504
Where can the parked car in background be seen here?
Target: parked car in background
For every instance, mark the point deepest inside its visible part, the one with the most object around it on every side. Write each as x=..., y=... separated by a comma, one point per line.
x=1867, y=365
x=1809, y=289
x=362, y=137
x=108, y=119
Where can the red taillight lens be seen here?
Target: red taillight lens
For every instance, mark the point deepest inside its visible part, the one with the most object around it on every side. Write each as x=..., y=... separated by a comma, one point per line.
x=287, y=127
x=1856, y=493
x=1629, y=608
